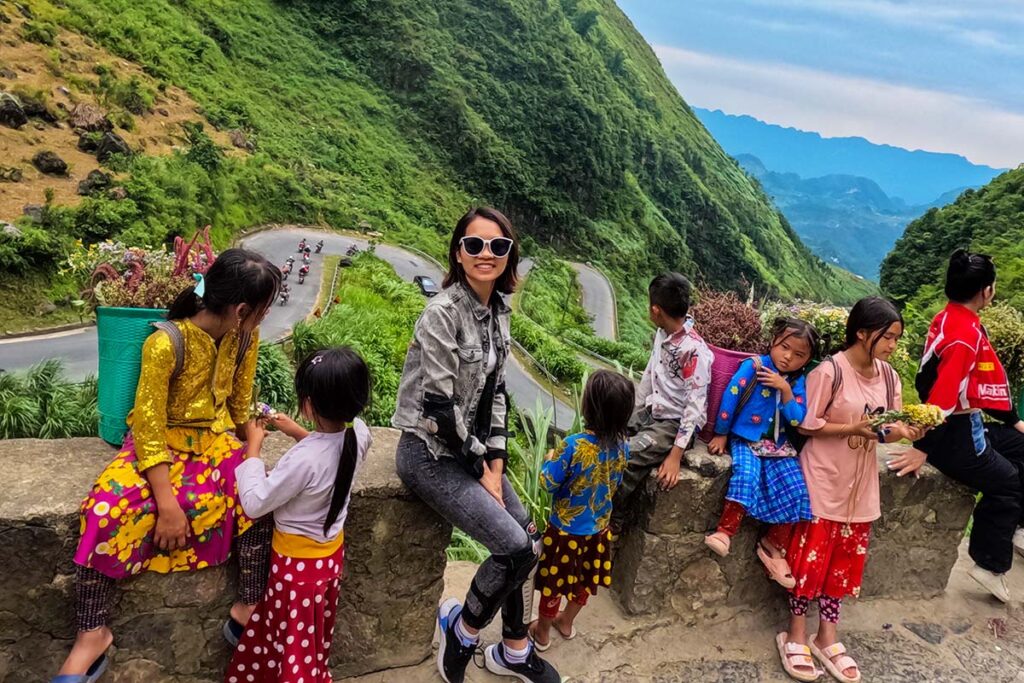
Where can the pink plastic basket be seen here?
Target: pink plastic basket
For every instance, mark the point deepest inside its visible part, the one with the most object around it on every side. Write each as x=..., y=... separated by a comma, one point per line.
x=725, y=366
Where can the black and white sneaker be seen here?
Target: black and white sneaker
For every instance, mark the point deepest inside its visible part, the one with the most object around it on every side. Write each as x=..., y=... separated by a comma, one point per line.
x=533, y=670
x=452, y=656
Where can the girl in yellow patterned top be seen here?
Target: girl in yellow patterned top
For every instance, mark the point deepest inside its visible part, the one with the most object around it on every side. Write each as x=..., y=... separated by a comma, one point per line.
x=582, y=478
x=168, y=501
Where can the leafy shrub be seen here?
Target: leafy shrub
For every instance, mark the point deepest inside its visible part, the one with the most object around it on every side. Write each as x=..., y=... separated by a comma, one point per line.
x=41, y=403
x=131, y=95
x=627, y=355
x=726, y=322
x=376, y=317
x=42, y=32
x=1005, y=325
x=202, y=150
x=275, y=378
x=557, y=358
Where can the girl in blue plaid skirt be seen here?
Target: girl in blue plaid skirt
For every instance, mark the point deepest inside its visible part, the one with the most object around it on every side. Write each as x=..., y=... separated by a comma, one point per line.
x=765, y=398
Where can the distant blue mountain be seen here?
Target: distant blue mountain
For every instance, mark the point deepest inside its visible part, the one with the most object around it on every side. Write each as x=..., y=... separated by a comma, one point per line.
x=918, y=178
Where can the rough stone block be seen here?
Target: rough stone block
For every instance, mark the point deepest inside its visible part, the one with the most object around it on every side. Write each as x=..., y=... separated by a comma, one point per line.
x=664, y=567
x=167, y=627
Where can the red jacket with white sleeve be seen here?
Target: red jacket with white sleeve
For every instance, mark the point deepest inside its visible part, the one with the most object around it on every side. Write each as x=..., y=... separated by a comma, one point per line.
x=960, y=370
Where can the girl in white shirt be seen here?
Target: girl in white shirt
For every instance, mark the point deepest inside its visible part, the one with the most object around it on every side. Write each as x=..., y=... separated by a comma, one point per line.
x=288, y=637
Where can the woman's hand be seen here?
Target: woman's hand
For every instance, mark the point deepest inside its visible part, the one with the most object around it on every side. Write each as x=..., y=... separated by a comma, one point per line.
x=1019, y=426
x=171, y=526
x=256, y=433
x=911, y=433
x=909, y=461
x=491, y=480
x=717, y=445
x=774, y=380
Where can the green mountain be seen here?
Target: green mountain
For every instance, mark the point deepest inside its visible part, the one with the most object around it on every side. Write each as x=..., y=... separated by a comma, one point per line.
x=846, y=220
x=989, y=220
x=401, y=113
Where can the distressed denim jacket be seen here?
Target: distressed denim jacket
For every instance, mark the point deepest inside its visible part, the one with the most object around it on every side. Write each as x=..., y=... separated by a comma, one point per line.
x=445, y=396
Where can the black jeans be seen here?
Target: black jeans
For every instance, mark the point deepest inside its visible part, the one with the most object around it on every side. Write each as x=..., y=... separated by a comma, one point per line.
x=991, y=461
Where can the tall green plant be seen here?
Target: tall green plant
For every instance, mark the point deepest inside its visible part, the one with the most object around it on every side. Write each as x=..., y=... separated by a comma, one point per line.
x=526, y=457
x=41, y=403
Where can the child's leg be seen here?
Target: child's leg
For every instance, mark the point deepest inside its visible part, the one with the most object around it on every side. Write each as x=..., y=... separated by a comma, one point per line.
x=798, y=619
x=648, y=448
x=253, y=548
x=732, y=516
x=828, y=611
x=94, y=598
x=547, y=613
x=778, y=537
x=564, y=622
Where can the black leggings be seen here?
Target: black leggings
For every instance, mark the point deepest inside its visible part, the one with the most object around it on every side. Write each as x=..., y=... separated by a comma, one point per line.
x=94, y=592
x=990, y=460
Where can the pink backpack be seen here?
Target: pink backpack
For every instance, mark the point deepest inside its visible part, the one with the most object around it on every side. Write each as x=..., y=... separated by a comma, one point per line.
x=725, y=365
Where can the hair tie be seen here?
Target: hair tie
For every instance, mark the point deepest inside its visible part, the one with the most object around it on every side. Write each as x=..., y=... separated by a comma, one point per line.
x=200, y=287
x=316, y=360
x=349, y=425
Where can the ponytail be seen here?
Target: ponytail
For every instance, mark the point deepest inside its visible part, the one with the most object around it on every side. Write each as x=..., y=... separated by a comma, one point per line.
x=186, y=305
x=343, y=479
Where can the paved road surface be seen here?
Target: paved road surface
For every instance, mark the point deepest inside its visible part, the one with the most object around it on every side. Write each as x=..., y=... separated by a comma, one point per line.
x=598, y=300
x=78, y=347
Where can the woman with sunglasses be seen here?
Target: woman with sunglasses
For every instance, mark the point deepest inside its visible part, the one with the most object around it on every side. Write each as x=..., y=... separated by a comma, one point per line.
x=827, y=554
x=452, y=412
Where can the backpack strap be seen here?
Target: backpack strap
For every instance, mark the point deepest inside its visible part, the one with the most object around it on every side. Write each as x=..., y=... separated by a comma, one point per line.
x=177, y=342
x=749, y=391
x=890, y=385
x=837, y=382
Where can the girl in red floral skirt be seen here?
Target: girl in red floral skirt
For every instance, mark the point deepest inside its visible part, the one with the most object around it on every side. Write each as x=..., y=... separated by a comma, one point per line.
x=827, y=554
x=288, y=637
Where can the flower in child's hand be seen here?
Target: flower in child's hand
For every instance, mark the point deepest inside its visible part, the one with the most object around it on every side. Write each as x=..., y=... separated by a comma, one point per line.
x=262, y=411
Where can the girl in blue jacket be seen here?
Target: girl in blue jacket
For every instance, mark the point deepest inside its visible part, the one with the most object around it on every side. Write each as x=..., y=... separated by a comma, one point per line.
x=765, y=397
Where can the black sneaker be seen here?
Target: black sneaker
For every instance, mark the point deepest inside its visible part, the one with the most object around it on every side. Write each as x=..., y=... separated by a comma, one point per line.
x=452, y=656
x=533, y=670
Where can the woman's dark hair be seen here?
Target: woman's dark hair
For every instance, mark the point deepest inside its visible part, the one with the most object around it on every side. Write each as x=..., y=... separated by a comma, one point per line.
x=671, y=292
x=794, y=328
x=874, y=314
x=506, y=284
x=337, y=384
x=968, y=274
x=607, y=406
x=238, y=276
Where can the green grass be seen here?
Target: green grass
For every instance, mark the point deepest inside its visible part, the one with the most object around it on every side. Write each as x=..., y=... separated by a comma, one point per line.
x=41, y=403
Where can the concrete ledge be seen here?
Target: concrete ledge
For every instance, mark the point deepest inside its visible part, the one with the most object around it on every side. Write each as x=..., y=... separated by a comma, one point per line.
x=663, y=566
x=167, y=627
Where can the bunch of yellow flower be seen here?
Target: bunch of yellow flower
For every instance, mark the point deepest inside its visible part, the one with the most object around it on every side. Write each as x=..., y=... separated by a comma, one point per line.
x=918, y=415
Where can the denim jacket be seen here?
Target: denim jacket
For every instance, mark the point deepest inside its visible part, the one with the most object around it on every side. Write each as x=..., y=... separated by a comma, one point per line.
x=445, y=396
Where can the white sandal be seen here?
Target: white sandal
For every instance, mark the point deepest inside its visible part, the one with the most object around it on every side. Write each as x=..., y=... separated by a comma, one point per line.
x=796, y=659
x=845, y=662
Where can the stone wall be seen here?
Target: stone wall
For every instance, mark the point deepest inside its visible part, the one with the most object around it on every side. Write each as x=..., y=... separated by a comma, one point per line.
x=167, y=628
x=664, y=567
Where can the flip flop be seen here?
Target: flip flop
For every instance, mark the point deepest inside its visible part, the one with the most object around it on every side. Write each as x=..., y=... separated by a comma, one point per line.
x=825, y=656
x=232, y=631
x=778, y=568
x=96, y=669
x=537, y=645
x=796, y=659
x=572, y=633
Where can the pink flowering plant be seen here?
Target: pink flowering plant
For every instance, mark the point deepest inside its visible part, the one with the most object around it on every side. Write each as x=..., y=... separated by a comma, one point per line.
x=137, y=277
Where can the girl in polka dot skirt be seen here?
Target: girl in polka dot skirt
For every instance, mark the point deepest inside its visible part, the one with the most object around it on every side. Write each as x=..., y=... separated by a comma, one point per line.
x=288, y=637
x=582, y=477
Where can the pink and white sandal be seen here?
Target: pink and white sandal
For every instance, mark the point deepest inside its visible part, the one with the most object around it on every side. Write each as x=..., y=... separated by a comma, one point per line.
x=796, y=659
x=836, y=668
x=719, y=543
x=778, y=568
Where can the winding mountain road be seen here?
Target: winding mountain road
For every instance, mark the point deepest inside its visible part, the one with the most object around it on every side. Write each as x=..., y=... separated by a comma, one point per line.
x=78, y=350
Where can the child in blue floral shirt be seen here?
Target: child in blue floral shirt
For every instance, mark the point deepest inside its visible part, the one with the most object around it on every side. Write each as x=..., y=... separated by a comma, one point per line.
x=583, y=477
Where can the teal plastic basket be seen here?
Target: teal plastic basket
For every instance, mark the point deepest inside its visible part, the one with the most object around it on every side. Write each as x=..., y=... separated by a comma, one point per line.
x=120, y=333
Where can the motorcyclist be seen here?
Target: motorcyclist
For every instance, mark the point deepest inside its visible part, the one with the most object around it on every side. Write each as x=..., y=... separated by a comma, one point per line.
x=319, y=246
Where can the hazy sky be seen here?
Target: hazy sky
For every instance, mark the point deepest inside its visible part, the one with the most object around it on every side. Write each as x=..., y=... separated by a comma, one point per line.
x=941, y=75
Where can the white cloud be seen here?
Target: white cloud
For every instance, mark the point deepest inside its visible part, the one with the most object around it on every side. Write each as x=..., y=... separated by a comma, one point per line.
x=839, y=106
